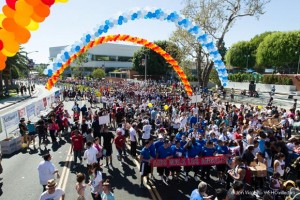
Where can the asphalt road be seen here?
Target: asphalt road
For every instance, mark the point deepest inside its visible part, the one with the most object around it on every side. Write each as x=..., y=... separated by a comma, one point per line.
x=21, y=182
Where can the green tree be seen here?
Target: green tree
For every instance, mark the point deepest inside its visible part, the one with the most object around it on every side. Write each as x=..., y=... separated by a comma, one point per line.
x=279, y=49
x=40, y=69
x=78, y=68
x=241, y=55
x=156, y=64
x=215, y=17
x=98, y=73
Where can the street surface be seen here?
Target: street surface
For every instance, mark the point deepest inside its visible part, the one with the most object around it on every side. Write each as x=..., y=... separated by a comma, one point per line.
x=20, y=177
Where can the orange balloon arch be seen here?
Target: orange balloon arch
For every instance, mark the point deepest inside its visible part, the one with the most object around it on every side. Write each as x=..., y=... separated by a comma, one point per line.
x=112, y=38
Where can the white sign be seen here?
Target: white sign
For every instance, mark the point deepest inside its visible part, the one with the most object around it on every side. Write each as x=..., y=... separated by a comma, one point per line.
x=104, y=119
x=39, y=106
x=196, y=99
x=30, y=110
x=10, y=119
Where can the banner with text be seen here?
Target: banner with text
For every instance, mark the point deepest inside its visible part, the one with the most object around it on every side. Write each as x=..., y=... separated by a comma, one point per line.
x=22, y=113
x=45, y=102
x=10, y=119
x=30, y=110
x=39, y=106
x=177, y=162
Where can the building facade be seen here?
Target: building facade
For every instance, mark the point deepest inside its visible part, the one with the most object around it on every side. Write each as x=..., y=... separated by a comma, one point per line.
x=108, y=55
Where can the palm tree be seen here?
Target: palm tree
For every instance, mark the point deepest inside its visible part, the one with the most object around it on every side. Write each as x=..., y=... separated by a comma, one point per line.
x=16, y=67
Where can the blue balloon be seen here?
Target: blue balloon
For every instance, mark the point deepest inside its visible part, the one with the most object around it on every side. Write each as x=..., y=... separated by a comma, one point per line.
x=107, y=22
x=225, y=84
x=106, y=27
x=77, y=48
x=59, y=64
x=50, y=72
x=120, y=22
x=134, y=16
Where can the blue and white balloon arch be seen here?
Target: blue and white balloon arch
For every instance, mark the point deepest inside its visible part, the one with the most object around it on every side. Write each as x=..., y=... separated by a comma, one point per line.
x=158, y=14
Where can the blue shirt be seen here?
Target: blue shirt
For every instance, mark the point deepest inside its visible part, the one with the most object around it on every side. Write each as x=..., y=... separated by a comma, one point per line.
x=153, y=114
x=201, y=142
x=261, y=145
x=177, y=152
x=178, y=135
x=152, y=151
x=158, y=144
x=182, y=143
x=196, y=195
x=163, y=152
x=194, y=151
x=208, y=151
x=222, y=149
x=145, y=153
x=30, y=128
x=193, y=120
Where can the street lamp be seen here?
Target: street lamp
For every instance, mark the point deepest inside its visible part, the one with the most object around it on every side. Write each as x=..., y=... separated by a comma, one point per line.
x=28, y=77
x=247, y=59
x=298, y=62
x=146, y=57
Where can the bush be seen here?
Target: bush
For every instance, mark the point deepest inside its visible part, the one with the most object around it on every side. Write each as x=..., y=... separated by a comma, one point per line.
x=266, y=79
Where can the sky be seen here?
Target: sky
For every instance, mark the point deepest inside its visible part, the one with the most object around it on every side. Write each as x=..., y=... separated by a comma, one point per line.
x=68, y=22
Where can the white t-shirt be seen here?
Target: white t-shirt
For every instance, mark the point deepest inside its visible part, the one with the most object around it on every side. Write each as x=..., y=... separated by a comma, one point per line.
x=46, y=172
x=132, y=134
x=91, y=155
x=146, y=132
x=55, y=196
x=96, y=185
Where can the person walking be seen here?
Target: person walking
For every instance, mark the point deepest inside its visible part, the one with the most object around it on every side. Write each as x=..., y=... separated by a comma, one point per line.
x=46, y=170
x=80, y=186
x=96, y=181
x=52, y=192
x=77, y=147
x=107, y=194
x=132, y=134
x=90, y=154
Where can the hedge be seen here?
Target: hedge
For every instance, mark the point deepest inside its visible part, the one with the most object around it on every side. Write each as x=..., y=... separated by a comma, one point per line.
x=258, y=78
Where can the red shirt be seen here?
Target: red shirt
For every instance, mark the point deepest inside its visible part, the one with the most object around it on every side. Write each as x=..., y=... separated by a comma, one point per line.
x=77, y=142
x=237, y=136
x=120, y=141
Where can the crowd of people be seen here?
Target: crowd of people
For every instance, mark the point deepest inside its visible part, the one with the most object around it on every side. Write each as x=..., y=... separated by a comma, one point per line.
x=158, y=121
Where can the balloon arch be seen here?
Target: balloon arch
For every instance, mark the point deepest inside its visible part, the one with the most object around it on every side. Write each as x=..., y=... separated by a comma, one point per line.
x=112, y=38
x=157, y=14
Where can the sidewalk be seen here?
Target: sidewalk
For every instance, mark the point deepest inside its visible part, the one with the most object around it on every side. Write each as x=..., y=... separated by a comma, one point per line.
x=7, y=102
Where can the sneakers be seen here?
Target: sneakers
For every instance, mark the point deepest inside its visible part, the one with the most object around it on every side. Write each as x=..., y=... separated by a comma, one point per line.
x=186, y=179
x=196, y=178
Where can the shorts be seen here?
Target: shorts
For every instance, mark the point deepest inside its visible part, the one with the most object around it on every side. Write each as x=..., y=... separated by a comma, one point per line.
x=221, y=168
x=145, y=168
x=108, y=150
x=32, y=133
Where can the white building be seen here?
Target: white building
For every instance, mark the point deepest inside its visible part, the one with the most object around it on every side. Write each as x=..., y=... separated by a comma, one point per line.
x=105, y=55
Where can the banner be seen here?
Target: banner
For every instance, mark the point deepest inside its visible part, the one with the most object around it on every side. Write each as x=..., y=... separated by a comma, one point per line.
x=49, y=101
x=30, y=110
x=196, y=99
x=177, y=162
x=39, y=106
x=104, y=119
x=21, y=113
x=45, y=102
x=10, y=119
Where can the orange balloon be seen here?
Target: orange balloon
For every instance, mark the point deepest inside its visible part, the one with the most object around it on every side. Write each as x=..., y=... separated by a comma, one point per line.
x=32, y=2
x=2, y=57
x=2, y=65
x=35, y=17
x=9, y=24
x=7, y=53
x=22, y=35
x=21, y=19
x=6, y=36
x=8, y=12
x=42, y=10
x=23, y=7
x=11, y=46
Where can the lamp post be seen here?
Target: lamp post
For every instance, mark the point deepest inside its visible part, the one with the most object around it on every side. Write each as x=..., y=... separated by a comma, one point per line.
x=146, y=57
x=298, y=62
x=247, y=59
x=28, y=77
